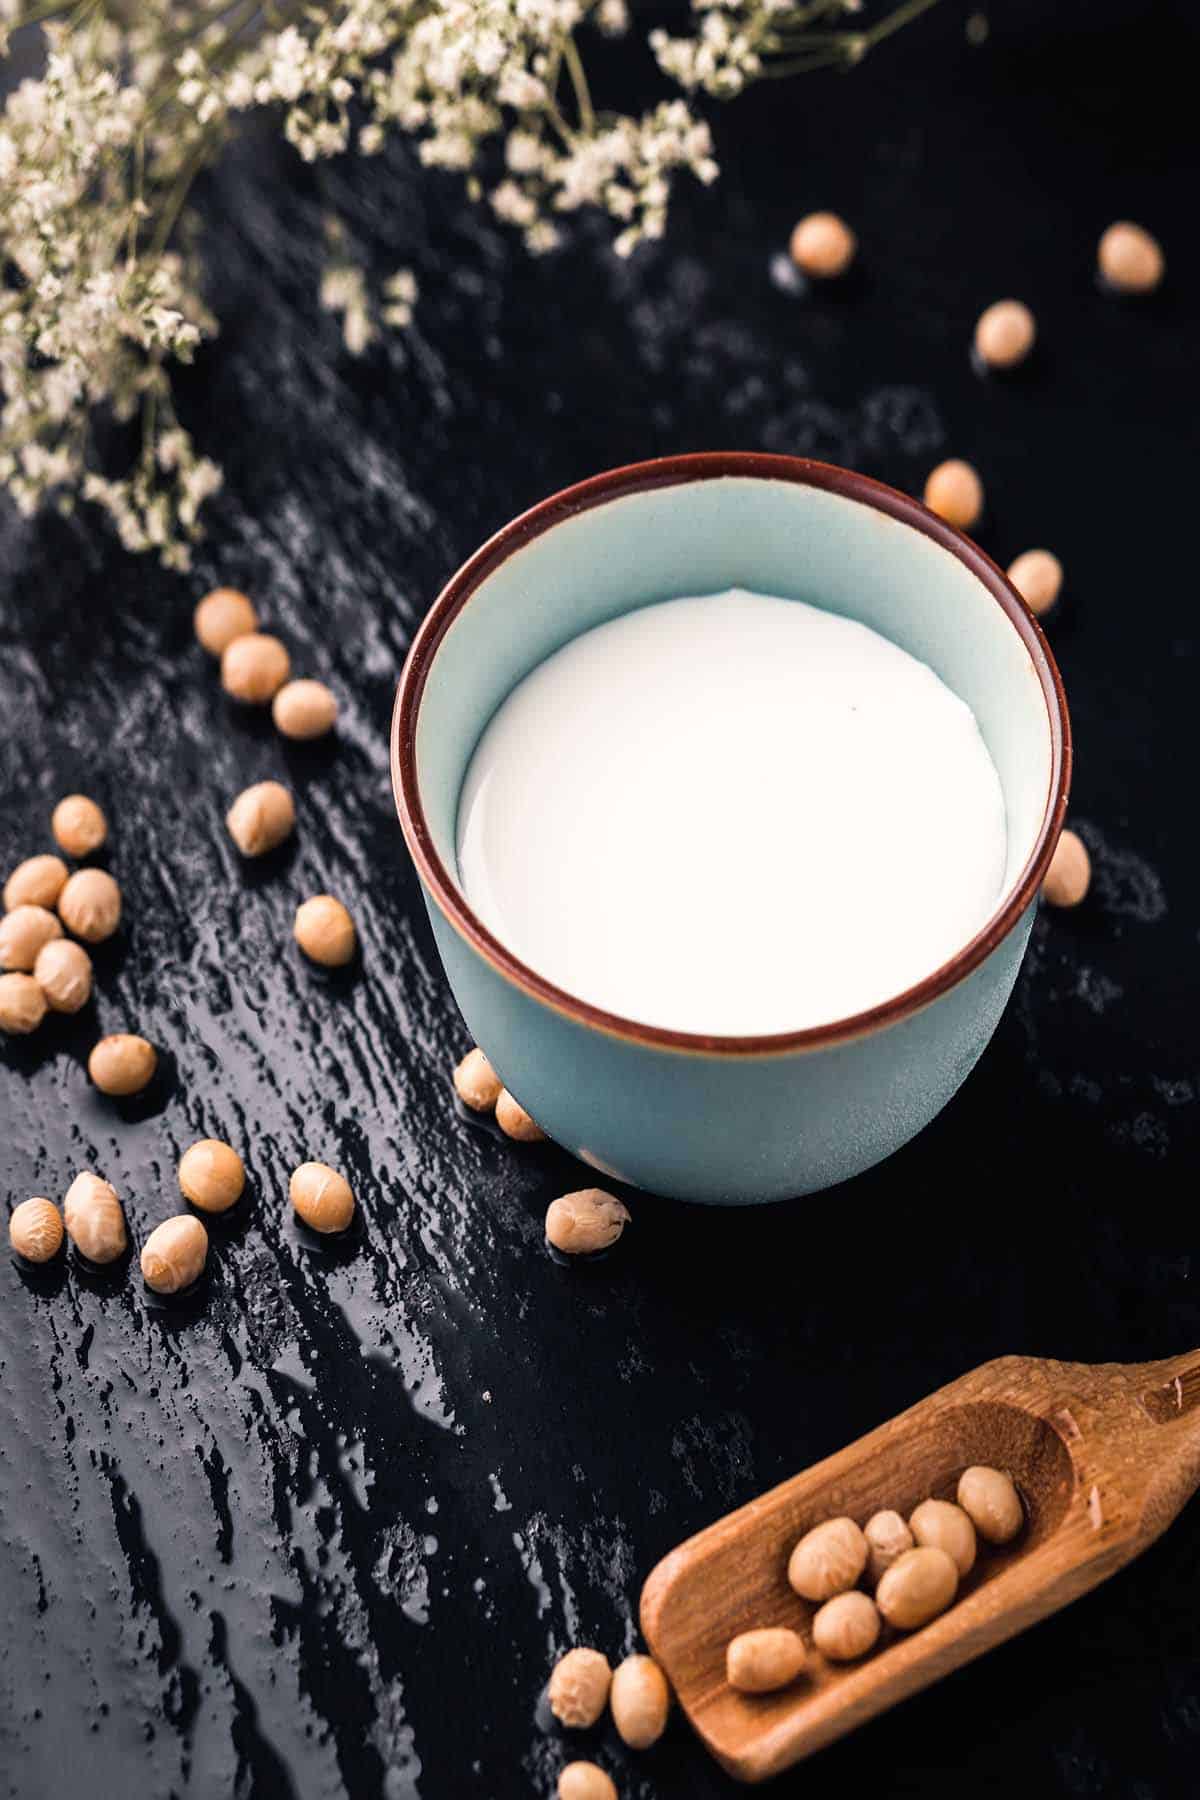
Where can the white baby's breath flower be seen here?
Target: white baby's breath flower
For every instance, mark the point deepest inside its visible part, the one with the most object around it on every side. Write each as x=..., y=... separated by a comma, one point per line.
x=97, y=150
x=400, y=296
x=541, y=236
x=612, y=16
x=401, y=286
x=525, y=152
x=344, y=290
x=511, y=203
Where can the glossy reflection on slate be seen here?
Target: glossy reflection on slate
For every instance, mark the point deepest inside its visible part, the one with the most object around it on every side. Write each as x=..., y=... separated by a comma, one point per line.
x=321, y=1529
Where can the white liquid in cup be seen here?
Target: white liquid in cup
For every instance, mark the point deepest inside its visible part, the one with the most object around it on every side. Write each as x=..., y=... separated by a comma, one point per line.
x=732, y=814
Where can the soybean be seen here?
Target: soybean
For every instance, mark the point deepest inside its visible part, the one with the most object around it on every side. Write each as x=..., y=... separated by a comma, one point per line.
x=22, y=1004
x=1070, y=873
x=254, y=667
x=304, y=709
x=211, y=1175
x=887, y=1538
x=585, y=1781
x=35, y=882
x=828, y=1559
x=582, y=1223
x=79, y=825
x=174, y=1254
x=476, y=1082
x=515, y=1122
x=1005, y=333
x=990, y=1499
x=941, y=1523
x=578, y=1690
x=122, y=1064
x=325, y=931
x=955, y=493
x=759, y=1662
x=63, y=971
x=640, y=1701
x=846, y=1627
x=94, y=1220
x=321, y=1197
x=823, y=245
x=90, y=905
x=1130, y=258
x=261, y=818
x=1037, y=576
x=918, y=1586
x=35, y=1229
x=221, y=616
x=23, y=932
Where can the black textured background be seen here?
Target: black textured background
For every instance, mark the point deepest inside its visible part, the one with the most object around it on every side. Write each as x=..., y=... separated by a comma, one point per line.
x=322, y=1532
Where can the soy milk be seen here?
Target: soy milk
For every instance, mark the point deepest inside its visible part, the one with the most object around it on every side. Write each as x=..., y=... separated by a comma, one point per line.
x=732, y=814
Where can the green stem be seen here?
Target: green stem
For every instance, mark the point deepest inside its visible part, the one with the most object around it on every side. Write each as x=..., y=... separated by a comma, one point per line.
x=805, y=65
x=583, y=98
x=200, y=22
x=903, y=15
x=177, y=198
x=149, y=420
x=831, y=49
x=817, y=9
x=139, y=183
x=39, y=14
x=241, y=13
x=801, y=38
x=554, y=116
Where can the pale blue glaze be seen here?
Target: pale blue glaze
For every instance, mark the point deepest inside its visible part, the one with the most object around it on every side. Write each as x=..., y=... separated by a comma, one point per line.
x=733, y=1128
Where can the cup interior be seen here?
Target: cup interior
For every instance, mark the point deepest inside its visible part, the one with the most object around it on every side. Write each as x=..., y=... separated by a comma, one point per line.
x=618, y=544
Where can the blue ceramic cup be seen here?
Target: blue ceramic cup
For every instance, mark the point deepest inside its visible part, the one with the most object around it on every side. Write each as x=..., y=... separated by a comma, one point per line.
x=729, y=1119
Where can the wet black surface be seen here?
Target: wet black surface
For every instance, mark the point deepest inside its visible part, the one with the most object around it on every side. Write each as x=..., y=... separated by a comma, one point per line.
x=321, y=1529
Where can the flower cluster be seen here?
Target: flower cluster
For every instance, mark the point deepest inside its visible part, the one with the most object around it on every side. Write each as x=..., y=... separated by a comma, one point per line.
x=89, y=316
x=344, y=291
x=97, y=155
x=464, y=77
x=736, y=39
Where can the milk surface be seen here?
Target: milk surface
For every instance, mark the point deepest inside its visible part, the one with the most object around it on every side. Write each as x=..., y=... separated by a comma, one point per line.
x=732, y=814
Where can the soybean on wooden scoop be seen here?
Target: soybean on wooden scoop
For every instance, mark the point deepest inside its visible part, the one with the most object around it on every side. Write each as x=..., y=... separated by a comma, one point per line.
x=1104, y=1457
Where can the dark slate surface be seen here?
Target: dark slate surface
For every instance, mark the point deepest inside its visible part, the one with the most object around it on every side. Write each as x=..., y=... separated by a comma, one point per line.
x=322, y=1532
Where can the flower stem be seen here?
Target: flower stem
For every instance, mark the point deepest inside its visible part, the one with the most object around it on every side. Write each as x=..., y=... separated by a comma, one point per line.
x=149, y=421
x=139, y=183
x=177, y=198
x=805, y=65
x=583, y=98
x=911, y=9
x=811, y=50
x=38, y=14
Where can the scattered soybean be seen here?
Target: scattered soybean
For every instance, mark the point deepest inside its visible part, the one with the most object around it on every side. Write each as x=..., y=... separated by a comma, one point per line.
x=578, y=1689
x=79, y=825
x=582, y=1223
x=90, y=905
x=640, y=1701
x=221, y=616
x=325, y=931
x=93, y=1217
x=35, y=1229
x=35, y=882
x=174, y=1254
x=211, y=1175
x=321, y=1197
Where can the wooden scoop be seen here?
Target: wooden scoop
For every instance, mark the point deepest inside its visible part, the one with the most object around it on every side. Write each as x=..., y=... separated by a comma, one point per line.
x=1104, y=1457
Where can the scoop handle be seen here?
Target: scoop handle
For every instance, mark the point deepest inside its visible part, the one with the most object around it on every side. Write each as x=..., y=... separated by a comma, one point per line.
x=1169, y=1401
x=1154, y=1435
